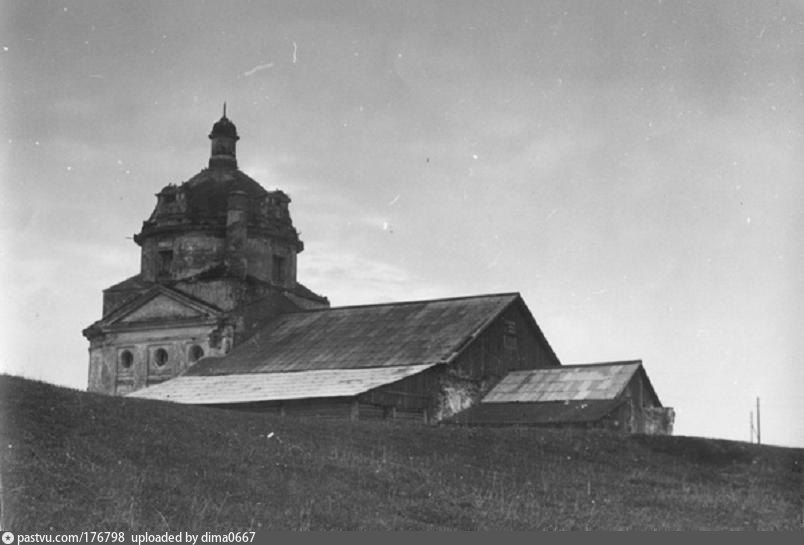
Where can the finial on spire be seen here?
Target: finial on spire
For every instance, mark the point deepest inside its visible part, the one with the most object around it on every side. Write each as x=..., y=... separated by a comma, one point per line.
x=224, y=108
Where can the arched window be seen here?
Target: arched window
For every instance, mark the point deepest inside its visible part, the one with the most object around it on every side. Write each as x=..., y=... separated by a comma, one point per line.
x=126, y=359
x=196, y=353
x=160, y=357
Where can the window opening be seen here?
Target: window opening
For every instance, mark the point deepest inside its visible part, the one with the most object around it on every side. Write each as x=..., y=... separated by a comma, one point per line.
x=126, y=359
x=278, y=269
x=510, y=327
x=196, y=353
x=509, y=335
x=165, y=261
x=160, y=357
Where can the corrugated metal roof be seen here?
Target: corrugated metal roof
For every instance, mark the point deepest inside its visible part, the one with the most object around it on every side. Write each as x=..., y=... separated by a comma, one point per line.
x=210, y=390
x=388, y=335
x=553, y=412
x=568, y=383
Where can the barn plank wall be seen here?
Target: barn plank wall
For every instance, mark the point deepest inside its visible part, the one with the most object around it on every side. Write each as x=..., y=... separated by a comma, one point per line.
x=342, y=408
x=509, y=343
x=496, y=352
x=324, y=407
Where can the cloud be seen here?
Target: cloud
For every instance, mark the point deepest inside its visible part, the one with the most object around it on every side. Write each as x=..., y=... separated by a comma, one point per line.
x=258, y=68
x=349, y=279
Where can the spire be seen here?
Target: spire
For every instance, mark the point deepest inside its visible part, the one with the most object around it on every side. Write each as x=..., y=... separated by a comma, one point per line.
x=223, y=136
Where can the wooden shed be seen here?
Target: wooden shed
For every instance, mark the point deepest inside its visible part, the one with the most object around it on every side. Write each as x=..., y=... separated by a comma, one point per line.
x=426, y=360
x=617, y=396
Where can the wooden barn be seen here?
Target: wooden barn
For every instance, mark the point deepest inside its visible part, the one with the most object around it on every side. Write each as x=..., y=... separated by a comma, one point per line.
x=426, y=360
x=616, y=396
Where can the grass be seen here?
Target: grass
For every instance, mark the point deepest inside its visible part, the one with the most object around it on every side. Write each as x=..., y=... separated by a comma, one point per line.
x=73, y=460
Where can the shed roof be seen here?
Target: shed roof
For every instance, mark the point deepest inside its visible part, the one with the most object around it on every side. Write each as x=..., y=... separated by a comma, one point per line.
x=253, y=387
x=602, y=381
x=387, y=335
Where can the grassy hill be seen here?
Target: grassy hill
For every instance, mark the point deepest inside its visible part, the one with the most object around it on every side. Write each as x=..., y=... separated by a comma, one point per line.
x=73, y=460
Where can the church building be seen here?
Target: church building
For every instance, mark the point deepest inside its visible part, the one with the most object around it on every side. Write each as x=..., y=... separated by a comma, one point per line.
x=218, y=254
x=217, y=317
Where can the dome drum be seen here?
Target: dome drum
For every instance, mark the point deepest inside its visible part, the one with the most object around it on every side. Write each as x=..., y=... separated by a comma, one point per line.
x=220, y=217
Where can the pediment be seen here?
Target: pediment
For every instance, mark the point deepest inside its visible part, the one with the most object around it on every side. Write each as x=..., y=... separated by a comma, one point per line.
x=161, y=305
x=159, y=308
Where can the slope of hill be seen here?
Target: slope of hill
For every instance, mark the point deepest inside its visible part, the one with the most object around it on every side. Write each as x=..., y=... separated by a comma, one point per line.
x=77, y=461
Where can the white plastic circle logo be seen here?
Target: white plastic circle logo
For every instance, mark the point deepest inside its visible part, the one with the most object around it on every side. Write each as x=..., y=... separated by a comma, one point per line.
x=8, y=538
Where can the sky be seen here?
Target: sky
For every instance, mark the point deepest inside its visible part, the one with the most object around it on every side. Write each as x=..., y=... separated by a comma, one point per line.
x=634, y=169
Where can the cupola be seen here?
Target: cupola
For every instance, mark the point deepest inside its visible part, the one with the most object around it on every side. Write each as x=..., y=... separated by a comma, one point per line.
x=224, y=138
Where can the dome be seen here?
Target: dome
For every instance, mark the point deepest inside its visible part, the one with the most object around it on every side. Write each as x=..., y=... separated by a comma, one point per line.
x=207, y=192
x=203, y=202
x=224, y=127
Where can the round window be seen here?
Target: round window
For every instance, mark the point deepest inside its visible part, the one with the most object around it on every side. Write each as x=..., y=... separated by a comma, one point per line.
x=196, y=353
x=126, y=359
x=160, y=357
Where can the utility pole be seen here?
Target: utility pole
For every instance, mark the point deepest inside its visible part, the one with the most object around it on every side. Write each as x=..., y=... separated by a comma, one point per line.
x=751, y=426
x=759, y=435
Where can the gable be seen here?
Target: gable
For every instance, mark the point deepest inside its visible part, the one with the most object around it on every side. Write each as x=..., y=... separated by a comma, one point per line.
x=158, y=304
x=161, y=307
